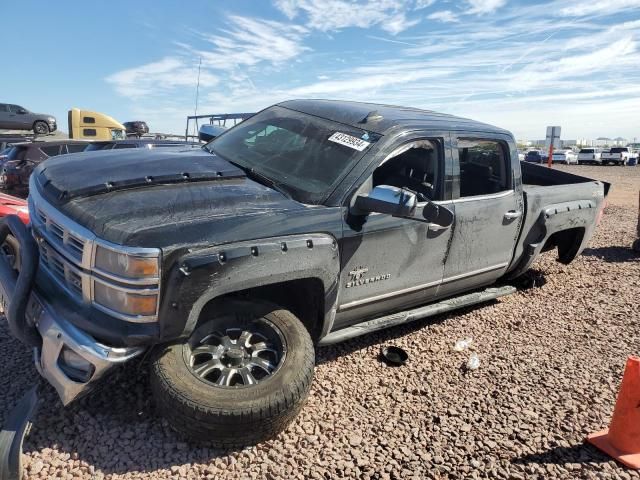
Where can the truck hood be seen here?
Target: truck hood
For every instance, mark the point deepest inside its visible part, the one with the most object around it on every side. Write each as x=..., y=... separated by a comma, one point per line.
x=157, y=198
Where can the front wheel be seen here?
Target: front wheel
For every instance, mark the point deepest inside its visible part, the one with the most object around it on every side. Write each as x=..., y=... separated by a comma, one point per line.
x=40, y=128
x=240, y=378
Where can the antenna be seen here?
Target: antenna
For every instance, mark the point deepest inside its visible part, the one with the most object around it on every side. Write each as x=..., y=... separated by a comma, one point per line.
x=195, y=110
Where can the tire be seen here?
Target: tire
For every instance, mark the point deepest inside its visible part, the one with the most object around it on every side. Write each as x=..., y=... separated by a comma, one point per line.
x=239, y=415
x=40, y=127
x=11, y=248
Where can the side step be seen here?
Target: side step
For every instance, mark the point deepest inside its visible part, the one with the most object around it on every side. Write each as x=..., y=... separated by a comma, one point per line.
x=417, y=313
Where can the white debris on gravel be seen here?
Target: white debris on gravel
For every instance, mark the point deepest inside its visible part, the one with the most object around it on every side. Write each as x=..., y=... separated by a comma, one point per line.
x=552, y=360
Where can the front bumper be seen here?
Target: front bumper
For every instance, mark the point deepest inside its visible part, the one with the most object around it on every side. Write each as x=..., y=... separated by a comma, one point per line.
x=67, y=357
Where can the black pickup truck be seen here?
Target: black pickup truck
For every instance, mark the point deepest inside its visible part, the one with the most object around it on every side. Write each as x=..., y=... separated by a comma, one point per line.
x=307, y=224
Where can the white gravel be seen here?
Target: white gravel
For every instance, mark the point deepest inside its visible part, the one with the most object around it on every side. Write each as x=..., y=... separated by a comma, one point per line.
x=551, y=357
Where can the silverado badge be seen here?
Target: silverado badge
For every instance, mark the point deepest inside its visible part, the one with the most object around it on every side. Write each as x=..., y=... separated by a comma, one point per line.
x=357, y=279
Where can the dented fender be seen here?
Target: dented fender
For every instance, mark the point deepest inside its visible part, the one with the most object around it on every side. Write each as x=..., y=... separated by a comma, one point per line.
x=203, y=275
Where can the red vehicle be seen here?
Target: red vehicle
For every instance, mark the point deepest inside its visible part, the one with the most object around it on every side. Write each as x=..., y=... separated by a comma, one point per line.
x=14, y=205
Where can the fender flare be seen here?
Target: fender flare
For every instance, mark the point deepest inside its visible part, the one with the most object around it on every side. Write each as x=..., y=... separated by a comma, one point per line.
x=203, y=275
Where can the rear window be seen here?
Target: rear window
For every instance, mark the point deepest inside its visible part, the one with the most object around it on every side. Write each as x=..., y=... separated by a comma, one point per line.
x=76, y=147
x=587, y=150
x=51, y=150
x=619, y=149
x=98, y=146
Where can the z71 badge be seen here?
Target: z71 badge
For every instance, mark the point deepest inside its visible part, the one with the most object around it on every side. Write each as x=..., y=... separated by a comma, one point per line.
x=357, y=277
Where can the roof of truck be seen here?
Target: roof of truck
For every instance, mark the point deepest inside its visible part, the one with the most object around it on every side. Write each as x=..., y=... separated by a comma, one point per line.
x=355, y=113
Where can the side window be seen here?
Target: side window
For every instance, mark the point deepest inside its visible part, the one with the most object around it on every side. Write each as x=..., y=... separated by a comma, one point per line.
x=76, y=147
x=484, y=167
x=124, y=145
x=414, y=166
x=51, y=150
x=89, y=132
x=14, y=108
x=89, y=119
x=4, y=107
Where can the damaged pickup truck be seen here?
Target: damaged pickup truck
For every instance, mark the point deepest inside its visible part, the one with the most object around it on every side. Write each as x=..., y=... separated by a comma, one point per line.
x=307, y=224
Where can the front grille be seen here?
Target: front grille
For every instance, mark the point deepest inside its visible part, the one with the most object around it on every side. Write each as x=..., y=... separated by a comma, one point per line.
x=63, y=238
x=69, y=276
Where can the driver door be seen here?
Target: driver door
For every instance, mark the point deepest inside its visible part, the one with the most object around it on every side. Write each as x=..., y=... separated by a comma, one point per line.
x=391, y=263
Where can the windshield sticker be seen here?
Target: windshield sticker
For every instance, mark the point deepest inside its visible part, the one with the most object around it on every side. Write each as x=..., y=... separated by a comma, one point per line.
x=349, y=141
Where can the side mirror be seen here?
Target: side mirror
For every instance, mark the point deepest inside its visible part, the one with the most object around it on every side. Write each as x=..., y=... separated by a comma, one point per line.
x=21, y=111
x=386, y=199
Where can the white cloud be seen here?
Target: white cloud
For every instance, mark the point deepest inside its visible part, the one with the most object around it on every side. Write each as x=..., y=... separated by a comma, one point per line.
x=581, y=8
x=331, y=15
x=484, y=6
x=249, y=41
x=445, y=16
x=420, y=4
x=157, y=77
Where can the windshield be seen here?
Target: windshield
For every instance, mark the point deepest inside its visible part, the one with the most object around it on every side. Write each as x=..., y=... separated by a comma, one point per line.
x=303, y=154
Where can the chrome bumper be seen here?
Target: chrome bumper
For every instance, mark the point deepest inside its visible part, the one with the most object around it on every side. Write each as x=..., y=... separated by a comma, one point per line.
x=59, y=335
x=67, y=357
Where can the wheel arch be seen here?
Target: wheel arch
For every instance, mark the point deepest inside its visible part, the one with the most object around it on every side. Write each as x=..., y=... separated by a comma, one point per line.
x=297, y=272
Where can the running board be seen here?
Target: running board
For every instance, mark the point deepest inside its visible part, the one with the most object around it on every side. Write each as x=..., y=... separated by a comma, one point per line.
x=416, y=314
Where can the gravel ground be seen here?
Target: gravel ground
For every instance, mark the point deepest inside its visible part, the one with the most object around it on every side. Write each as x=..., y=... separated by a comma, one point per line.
x=551, y=356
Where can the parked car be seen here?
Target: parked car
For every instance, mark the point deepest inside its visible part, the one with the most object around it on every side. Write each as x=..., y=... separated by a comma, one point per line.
x=534, y=156
x=148, y=143
x=564, y=156
x=589, y=155
x=616, y=155
x=6, y=141
x=310, y=223
x=22, y=158
x=15, y=117
x=137, y=128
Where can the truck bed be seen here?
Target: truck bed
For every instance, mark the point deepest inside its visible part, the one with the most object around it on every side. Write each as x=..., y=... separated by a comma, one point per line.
x=561, y=210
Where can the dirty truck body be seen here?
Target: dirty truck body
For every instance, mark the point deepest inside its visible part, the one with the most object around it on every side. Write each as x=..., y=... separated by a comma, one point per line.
x=309, y=223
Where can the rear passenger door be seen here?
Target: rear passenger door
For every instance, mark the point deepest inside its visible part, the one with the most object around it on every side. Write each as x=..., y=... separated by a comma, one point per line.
x=488, y=211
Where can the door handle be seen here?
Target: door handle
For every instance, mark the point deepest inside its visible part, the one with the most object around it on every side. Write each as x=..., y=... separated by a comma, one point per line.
x=434, y=227
x=511, y=214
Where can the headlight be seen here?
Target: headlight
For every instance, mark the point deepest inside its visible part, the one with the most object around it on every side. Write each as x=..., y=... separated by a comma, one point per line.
x=124, y=301
x=126, y=265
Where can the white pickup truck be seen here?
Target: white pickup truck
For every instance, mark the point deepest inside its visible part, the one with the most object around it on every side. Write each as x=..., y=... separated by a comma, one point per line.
x=617, y=155
x=589, y=155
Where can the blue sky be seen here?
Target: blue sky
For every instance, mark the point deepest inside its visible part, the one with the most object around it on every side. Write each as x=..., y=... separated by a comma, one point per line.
x=515, y=64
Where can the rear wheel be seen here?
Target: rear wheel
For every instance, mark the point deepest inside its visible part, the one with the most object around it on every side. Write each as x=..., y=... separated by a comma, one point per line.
x=240, y=378
x=40, y=128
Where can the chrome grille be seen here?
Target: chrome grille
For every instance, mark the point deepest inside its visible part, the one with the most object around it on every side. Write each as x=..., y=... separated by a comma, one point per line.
x=63, y=238
x=69, y=276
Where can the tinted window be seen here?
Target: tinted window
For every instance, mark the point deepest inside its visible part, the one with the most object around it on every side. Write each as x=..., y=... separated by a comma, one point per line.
x=51, y=150
x=76, y=147
x=3, y=107
x=619, y=150
x=415, y=167
x=484, y=167
x=15, y=108
x=587, y=150
x=89, y=119
x=303, y=154
x=124, y=145
x=98, y=146
x=160, y=145
x=89, y=132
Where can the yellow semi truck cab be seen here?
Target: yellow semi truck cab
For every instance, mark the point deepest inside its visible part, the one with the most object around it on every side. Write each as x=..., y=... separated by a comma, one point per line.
x=88, y=125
